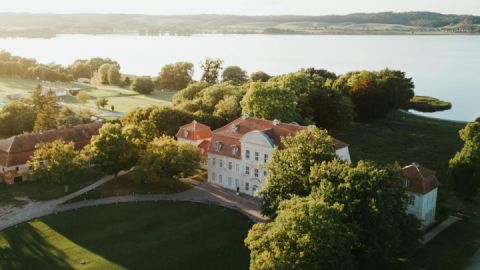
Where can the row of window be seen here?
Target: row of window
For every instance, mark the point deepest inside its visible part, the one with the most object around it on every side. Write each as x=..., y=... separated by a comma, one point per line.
x=256, y=156
x=229, y=182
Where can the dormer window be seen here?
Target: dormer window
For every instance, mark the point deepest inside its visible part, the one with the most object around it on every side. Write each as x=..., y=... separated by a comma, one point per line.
x=276, y=122
x=406, y=183
x=234, y=128
x=234, y=149
x=218, y=146
x=185, y=133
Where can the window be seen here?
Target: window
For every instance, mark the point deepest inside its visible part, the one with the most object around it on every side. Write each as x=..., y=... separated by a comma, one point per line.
x=213, y=161
x=17, y=169
x=256, y=156
x=220, y=163
x=234, y=149
x=256, y=172
x=230, y=165
x=237, y=183
x=229, y=181
x=247, y=170
x=218, y=146
x=247, y=186
x=213, y=176
x=185, y=133
x=264, y=172
x=411, y=200
x=247, y=154
x=237, y=167
x=220, y=178
x=265, y=158
x=406, y=183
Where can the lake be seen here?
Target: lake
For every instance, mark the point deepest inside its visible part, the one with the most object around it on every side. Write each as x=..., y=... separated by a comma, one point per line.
x=446, y=67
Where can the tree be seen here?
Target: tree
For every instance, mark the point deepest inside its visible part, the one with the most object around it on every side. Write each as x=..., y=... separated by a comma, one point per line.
x=165, y=119
x=107, y=74
x=306, y=234
x=143, y=85
x=270, y=101
x=289, y=168
x=374, y=202
x=16, y=118
x=111, y=151
x=464, y=167
x=113, y=75
x=83, y=97
x=46, y=109
x=101, y=102
x=175, y=76
x=166, y=159
x=191, y=92
x=228, y=108
x=234, y=74
x=211, y=69
x=260, y=76
x=56, y=162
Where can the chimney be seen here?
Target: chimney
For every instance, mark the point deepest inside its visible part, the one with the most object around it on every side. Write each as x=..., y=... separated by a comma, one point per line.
x=245, y=116
x=276, y=122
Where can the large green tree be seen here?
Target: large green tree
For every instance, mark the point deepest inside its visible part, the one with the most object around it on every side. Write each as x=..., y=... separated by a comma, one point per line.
x=165, y=159
x=464, y=167
x=260, y=76
x=270, y=101
x=16, y=118
x=374, y=201
x=228, y=108
x=143, y=85
x=46, y=109
x=57, y=162
x=234, y=74
x=289, y=168
x=211, y=70
x=306, y=234
x=111, y=150
x=175, y=76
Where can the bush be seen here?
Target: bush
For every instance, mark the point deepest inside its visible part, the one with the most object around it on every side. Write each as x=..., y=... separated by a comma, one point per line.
x=143, y=85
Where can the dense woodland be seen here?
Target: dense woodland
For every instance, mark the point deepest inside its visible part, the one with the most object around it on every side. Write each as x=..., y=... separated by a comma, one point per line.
x=46, y=25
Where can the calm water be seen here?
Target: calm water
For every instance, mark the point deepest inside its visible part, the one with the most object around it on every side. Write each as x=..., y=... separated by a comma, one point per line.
x=447, y=67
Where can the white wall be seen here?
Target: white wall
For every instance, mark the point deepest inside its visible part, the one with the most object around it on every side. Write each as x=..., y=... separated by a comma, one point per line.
x=344, y=154
x=424, y=207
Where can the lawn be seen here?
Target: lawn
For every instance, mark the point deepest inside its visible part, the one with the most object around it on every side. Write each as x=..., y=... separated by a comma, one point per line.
x=153, y=235
x=123, y=99
x=39, y=191
x=127, y=185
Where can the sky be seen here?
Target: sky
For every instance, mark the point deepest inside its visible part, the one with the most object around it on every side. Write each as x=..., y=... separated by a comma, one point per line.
x=240, y=7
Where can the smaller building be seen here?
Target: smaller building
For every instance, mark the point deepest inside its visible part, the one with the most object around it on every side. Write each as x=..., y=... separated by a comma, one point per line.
x=197, y=134
x=17, y=150
x=422, y=186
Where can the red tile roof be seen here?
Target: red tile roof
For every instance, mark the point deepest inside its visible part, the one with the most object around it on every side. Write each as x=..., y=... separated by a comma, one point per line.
x=18, y=149
x=231, y=133
x=194, y=131
x=422, y=180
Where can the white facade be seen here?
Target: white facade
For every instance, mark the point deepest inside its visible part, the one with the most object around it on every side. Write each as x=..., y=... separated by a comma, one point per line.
x=248, y=172
x=423, y=206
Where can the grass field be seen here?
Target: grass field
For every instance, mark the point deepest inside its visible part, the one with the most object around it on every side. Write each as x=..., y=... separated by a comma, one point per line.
x=123, y=99
x=156, y=235
x=39, y=191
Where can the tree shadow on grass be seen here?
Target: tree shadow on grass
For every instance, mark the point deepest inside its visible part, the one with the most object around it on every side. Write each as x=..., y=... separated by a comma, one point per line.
x=28, y=250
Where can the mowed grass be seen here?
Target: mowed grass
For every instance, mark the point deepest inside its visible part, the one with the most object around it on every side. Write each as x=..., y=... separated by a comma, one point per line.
x=405, y=138
x=123, y=99
x=152, y=235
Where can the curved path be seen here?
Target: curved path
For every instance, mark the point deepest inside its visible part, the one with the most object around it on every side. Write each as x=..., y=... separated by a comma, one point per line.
x=201, y=193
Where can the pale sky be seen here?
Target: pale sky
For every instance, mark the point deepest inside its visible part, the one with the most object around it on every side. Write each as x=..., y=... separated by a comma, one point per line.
x=242, y=7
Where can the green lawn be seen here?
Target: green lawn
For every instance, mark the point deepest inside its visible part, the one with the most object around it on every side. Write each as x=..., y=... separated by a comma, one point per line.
x=126, y=185
x=154, y=235
x=123, y=99
x=39, y=191
x=405, y=138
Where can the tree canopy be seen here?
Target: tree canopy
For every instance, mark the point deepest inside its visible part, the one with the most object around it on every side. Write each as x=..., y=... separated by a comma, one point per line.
x=234, y=74
x=111, y=150
x=464, y=167
x=57, y=162
x=143, y=85
x=16, y=118
x=211, y=69
x=260, y=76
x=289, y=168
x=175, y=76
